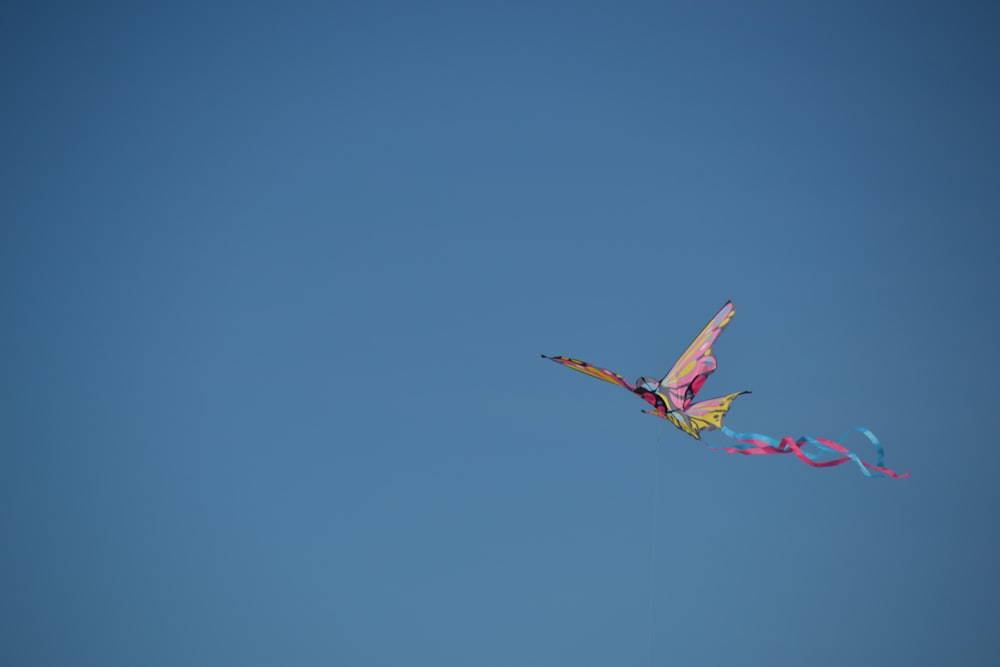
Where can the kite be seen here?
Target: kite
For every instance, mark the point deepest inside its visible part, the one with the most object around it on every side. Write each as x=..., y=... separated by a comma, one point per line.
x=672, y=398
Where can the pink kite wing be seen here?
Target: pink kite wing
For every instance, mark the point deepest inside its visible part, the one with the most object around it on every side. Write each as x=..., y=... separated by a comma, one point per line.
x=593, y=371
x=688, y=375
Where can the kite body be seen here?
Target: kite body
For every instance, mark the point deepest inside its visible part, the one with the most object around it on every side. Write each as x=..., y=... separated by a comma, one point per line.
x=672, y=398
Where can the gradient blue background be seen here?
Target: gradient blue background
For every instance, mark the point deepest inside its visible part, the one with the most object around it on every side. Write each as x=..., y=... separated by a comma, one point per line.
x=275, y=278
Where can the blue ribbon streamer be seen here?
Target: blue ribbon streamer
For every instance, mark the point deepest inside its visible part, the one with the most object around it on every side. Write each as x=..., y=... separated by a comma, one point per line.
x=817, y=455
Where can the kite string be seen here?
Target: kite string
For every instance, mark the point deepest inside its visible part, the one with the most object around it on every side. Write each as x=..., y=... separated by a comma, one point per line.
x=652, y=552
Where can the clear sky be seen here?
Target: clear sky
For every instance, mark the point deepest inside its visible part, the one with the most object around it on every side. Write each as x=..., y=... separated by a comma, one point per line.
x=275, y=277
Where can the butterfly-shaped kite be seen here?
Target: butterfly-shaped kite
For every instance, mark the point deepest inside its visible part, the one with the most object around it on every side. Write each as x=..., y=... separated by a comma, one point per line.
x=673, y=397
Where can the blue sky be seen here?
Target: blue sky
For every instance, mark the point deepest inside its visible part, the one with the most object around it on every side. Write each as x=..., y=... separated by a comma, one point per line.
x=275, y=278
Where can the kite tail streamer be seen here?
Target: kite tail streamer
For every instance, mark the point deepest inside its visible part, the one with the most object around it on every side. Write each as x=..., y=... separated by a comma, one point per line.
x=755, y=443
